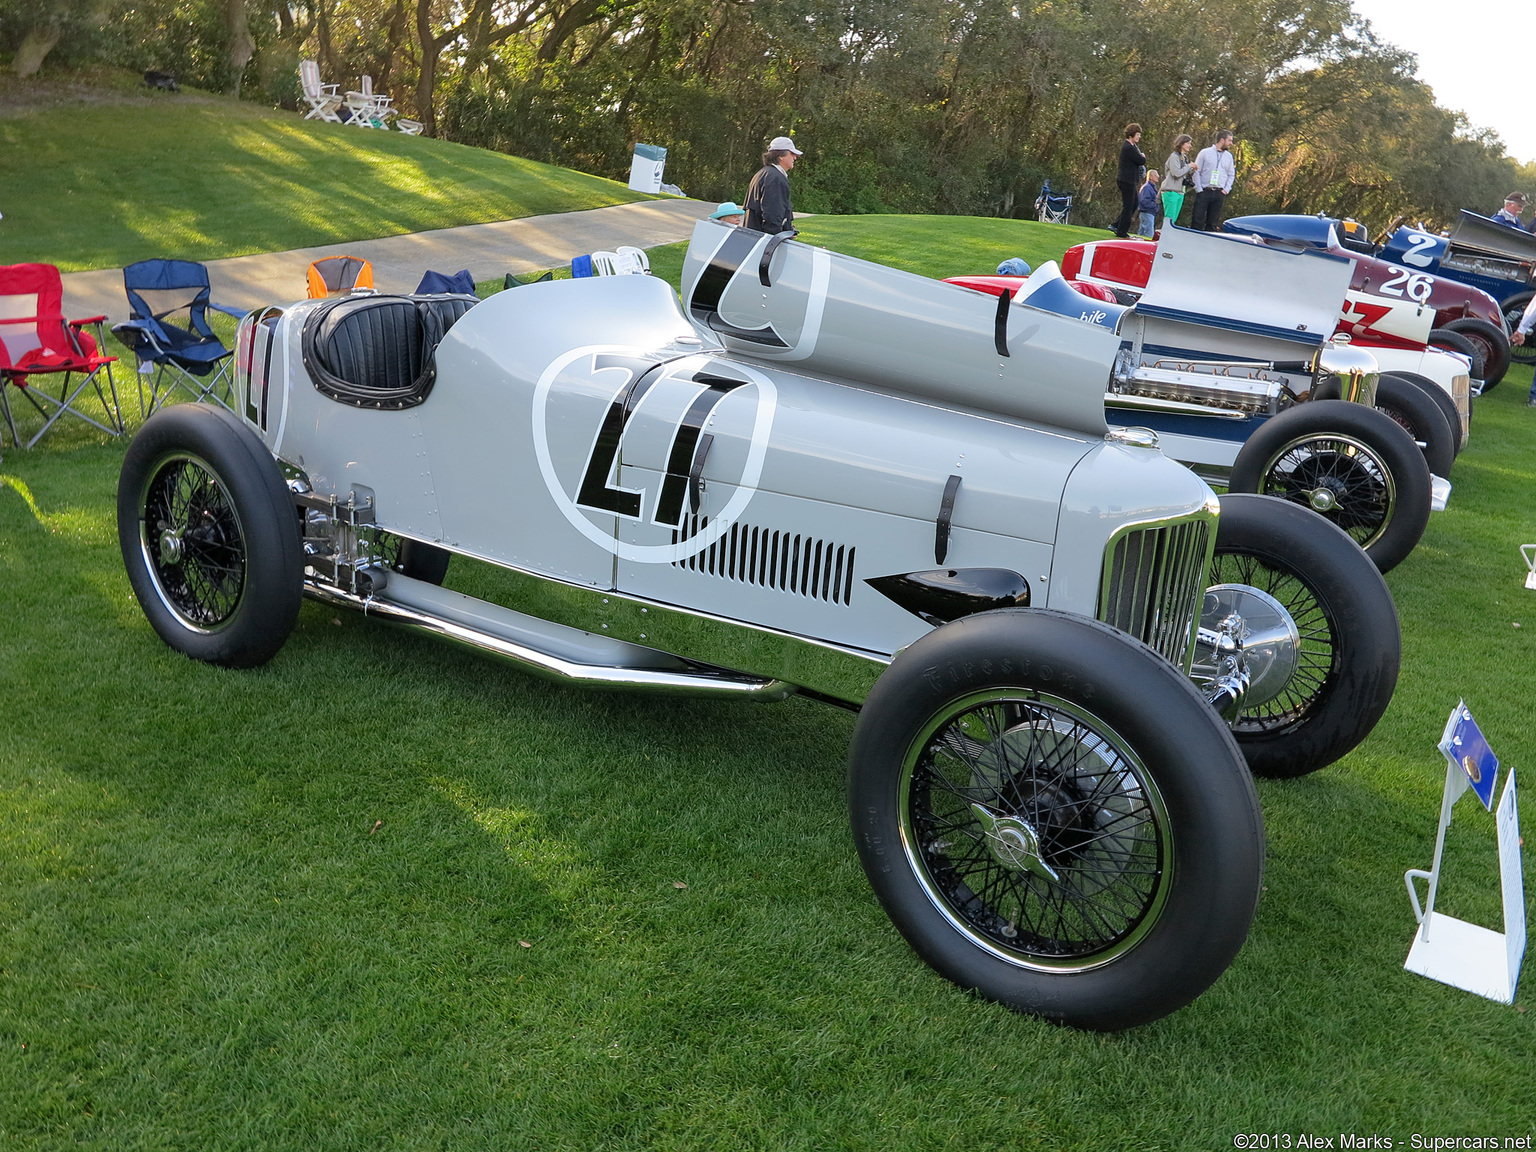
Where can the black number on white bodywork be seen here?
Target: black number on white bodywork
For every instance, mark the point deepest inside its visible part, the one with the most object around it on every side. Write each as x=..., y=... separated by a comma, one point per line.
x=722, y=267
x=683, y=459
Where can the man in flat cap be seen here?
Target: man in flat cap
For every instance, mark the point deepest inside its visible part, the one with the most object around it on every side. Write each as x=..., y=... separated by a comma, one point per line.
x=1509, y=215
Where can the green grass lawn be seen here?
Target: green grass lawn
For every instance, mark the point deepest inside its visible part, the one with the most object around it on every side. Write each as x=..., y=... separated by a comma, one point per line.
x=381, y=893
x=101, y=184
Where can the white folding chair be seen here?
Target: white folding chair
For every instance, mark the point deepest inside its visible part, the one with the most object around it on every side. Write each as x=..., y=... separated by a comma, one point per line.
x=324, y=102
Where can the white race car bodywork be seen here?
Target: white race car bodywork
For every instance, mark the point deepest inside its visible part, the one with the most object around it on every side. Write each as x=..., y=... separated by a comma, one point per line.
x=806, y=488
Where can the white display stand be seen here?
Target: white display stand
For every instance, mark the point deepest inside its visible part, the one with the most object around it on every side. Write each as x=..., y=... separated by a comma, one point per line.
x=1452, y=951
x=646, y=167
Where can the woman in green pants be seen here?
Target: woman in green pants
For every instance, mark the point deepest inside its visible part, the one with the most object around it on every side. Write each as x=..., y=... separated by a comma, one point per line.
x=1176, y=170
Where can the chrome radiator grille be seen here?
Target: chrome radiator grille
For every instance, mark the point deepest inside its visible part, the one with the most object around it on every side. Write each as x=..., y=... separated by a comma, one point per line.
x=1154, y=581
x=1461, y=394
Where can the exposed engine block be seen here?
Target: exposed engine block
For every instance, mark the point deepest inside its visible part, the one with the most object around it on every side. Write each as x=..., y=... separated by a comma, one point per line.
x=1214, y=384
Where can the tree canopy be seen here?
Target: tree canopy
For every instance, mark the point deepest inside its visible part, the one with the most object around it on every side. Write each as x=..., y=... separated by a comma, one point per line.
x=950, y=106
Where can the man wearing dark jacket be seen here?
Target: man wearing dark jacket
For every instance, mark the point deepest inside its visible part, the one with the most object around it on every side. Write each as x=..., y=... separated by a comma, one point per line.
x=1128, y=178
x=1509, y=215
x=767, y=202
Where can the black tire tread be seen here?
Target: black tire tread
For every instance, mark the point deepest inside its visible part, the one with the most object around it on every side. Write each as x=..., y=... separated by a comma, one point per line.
x=273, y=592
x=1497, y=341
x=1428, y=421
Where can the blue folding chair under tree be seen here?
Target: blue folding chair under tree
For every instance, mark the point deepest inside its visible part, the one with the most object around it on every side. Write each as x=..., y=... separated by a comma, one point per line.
x=185, y=354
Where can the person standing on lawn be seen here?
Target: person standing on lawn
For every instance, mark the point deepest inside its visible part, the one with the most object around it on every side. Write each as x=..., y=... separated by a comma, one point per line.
x=1146, y=201
x=767, y=203
x=1128, y=178
x=1214, y=170
x=1178, y=174
x=1520, y=335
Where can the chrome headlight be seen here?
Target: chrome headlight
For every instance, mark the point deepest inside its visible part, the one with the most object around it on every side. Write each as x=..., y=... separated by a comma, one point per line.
x=1355, y=368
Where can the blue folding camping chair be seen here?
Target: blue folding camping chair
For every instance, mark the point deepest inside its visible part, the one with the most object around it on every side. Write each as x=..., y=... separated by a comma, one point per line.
x=188, y=354
x=435, y=283
x=1051, y=208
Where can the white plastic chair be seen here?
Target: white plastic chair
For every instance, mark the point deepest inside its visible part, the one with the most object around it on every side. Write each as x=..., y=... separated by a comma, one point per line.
x=324, y=102
x=605, y=264
x=633, y=261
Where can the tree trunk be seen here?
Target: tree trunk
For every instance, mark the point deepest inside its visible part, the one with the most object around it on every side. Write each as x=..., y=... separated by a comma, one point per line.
x=39, y=41
x=426, y=75
x=241, y=45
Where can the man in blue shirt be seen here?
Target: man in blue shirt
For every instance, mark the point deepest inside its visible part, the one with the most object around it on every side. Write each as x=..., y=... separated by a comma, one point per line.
x=1214, y=169
x=1509, y=215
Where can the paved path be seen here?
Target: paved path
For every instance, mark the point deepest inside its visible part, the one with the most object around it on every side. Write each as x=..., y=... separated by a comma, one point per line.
x=489, y=251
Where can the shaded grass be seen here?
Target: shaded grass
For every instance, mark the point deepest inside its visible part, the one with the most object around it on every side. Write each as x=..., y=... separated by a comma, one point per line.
x=201, y=177
x=208, y=941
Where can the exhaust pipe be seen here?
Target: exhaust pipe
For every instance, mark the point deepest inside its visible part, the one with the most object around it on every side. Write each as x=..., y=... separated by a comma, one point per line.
x=552, y=651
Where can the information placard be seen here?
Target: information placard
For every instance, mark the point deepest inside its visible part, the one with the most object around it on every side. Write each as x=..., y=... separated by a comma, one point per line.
x=1444, y=948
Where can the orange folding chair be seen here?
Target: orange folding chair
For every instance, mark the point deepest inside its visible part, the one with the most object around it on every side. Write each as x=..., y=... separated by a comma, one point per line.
x=339, y=276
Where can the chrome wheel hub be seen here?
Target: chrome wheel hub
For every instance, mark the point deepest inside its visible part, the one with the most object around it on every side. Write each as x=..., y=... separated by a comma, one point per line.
x=170, y=546
x=1246, y=636
x=1323, y=499
x=1013, y=842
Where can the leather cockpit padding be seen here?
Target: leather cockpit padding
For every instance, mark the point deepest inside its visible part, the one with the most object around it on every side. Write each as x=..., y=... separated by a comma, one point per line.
x=379, y=351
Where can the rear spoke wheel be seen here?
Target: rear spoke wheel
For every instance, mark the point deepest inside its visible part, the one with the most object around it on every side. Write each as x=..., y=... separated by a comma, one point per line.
x=193, y=543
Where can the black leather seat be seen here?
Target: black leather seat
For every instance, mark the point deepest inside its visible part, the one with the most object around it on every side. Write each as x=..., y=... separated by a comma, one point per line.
x=379, y=351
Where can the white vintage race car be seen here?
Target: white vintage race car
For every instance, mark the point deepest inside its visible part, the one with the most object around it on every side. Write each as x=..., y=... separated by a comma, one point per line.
x=1062, y=645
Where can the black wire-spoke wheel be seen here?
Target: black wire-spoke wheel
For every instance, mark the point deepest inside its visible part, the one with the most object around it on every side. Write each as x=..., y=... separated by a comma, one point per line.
x=193, y=544
x=1339, y=477
x=1035, y=830
x=209, y=536
x=1348, y=463
x=1052, y=815
x=1349, y=648
x=1317, y=653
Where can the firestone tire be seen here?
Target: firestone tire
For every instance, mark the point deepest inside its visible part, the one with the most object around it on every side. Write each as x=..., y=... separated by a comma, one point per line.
x=209, y=537
x=1348, y=463
x=1405, y=403
x=1491, y=343
x=1053, y=816
x=1351, y=646
x=1455, y=342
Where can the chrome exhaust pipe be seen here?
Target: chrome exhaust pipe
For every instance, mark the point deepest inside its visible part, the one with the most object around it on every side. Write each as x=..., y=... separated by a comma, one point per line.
x=551, y=651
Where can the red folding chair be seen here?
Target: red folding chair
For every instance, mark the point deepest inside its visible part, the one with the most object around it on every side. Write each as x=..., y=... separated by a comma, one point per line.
x=36, y=340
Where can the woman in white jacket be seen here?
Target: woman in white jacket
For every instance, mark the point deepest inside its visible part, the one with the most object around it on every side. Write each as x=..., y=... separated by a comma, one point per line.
x=1175, y=169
